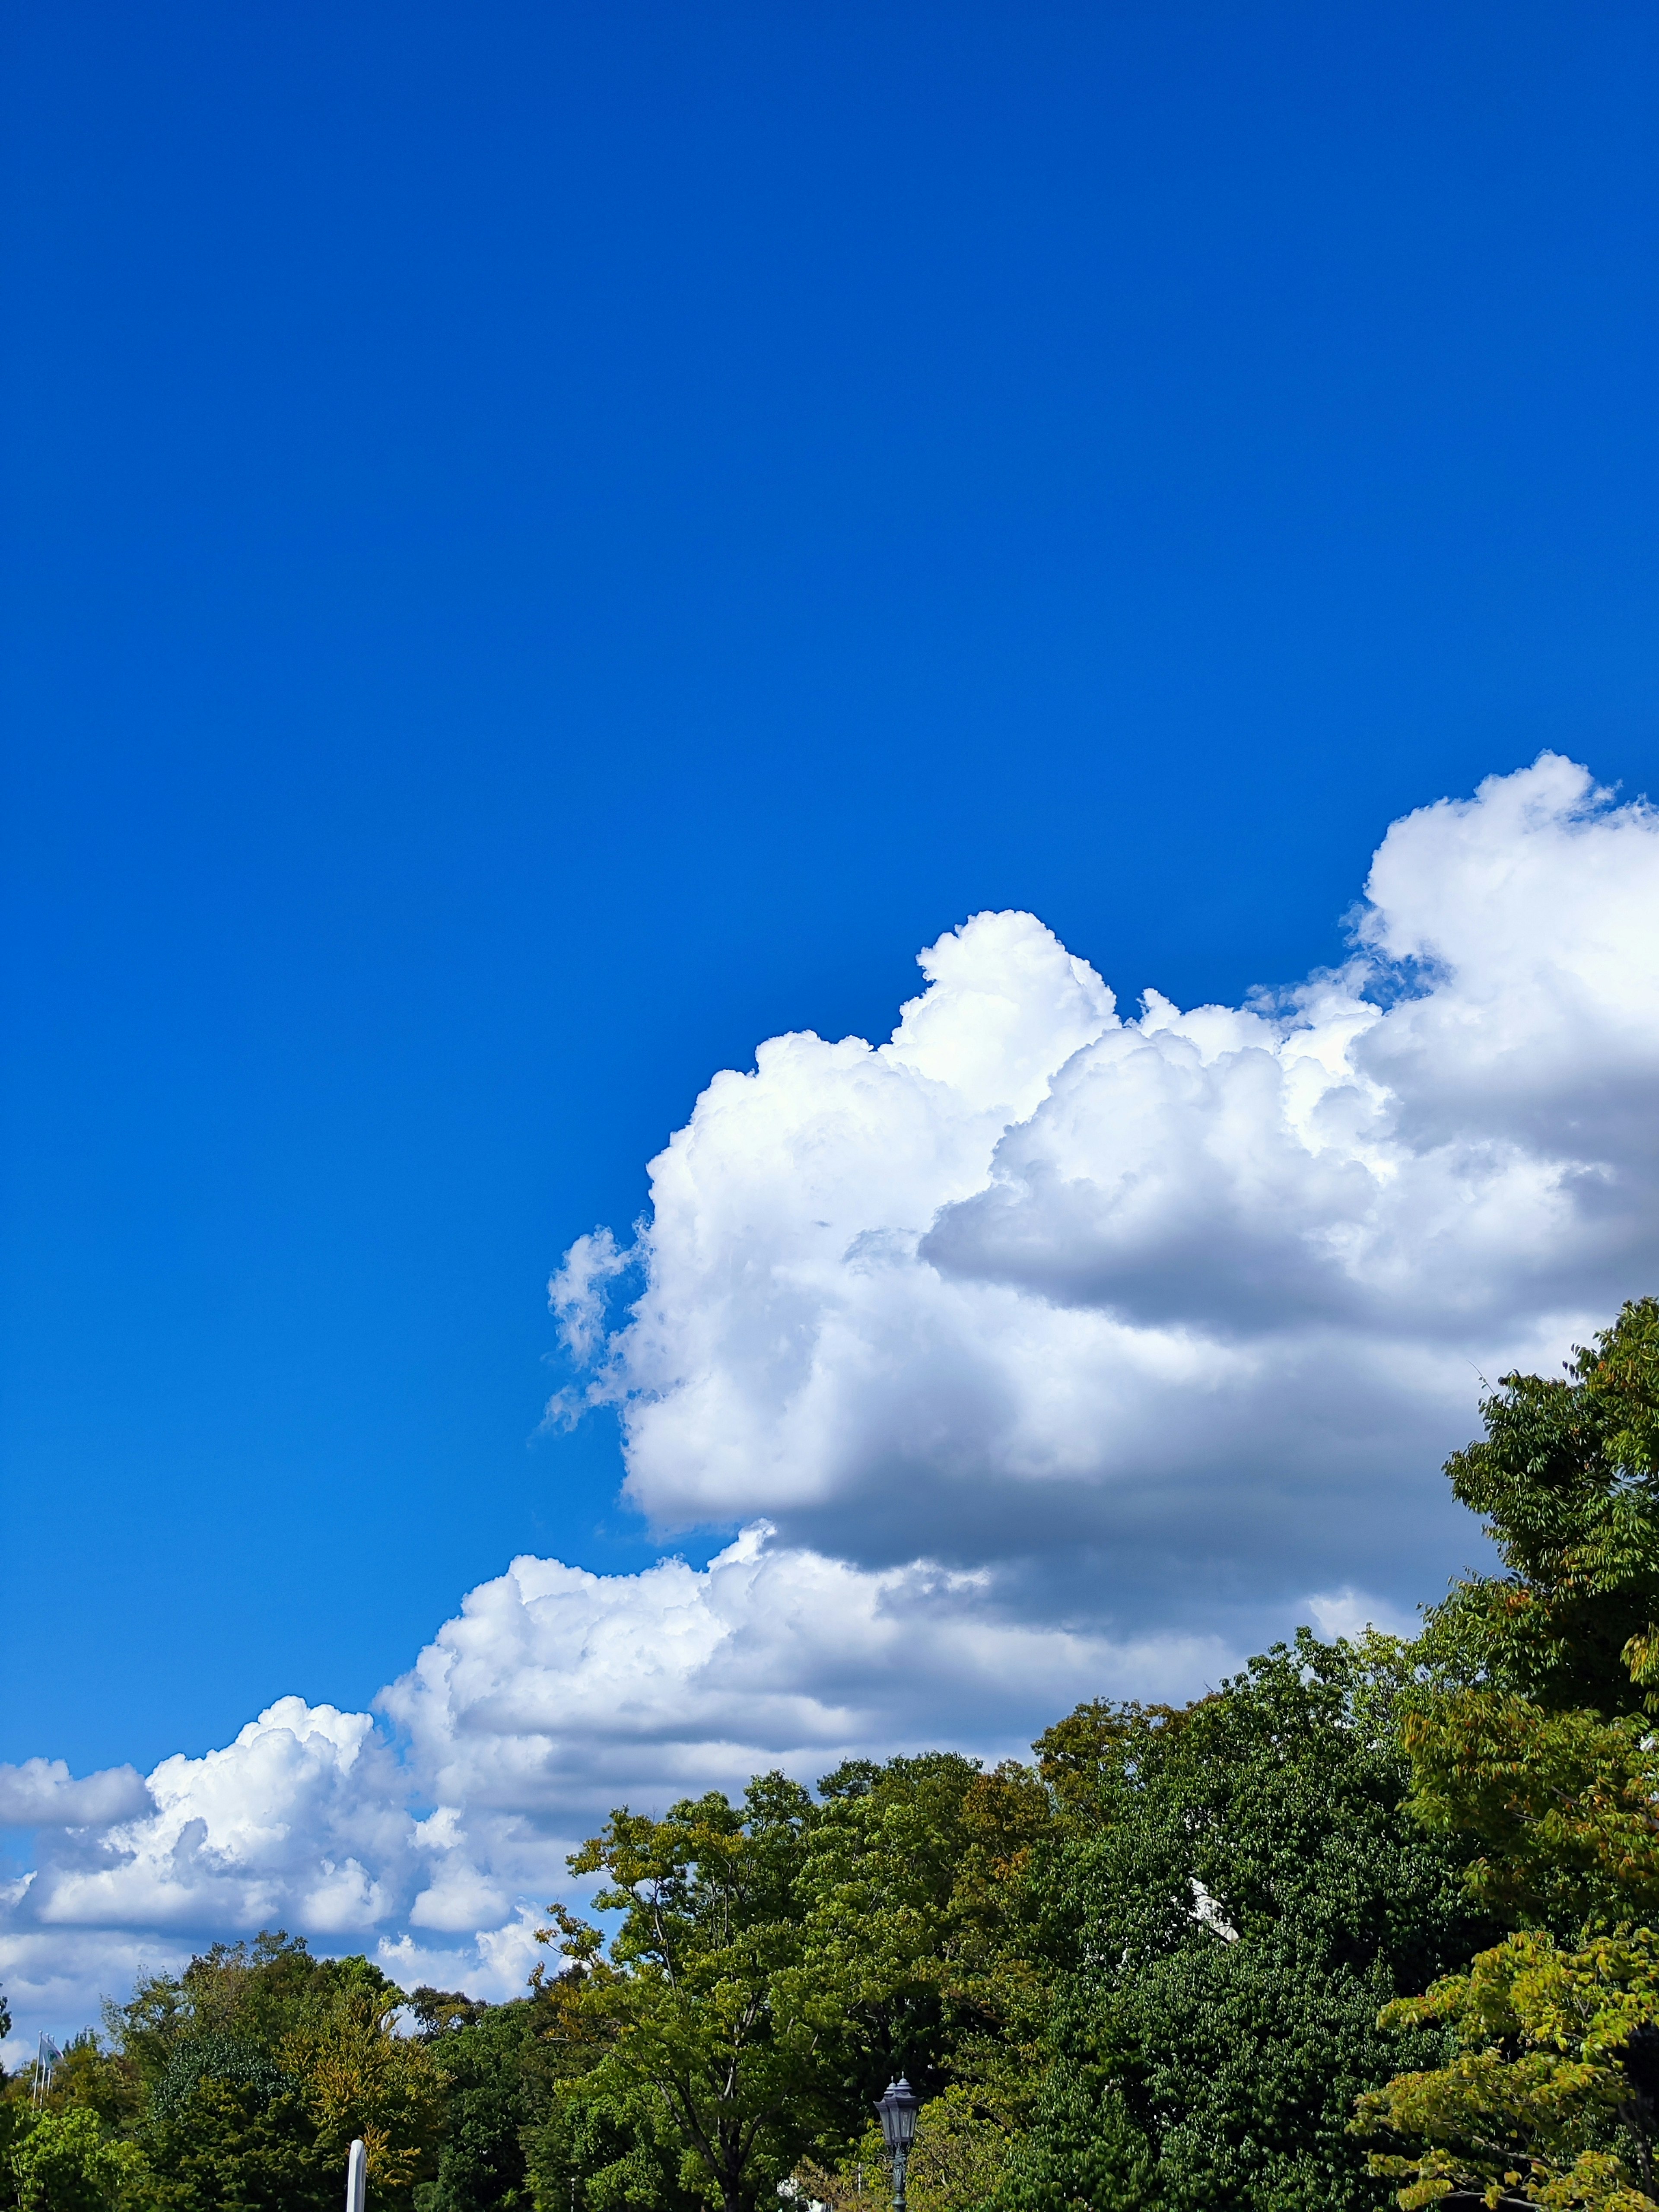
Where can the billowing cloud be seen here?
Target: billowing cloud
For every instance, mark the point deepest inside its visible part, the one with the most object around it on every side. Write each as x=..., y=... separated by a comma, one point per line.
x=558, y=1691
x=1038, y=1352
x=1180, y=1312
x=288, y=1820
x=428, y=1839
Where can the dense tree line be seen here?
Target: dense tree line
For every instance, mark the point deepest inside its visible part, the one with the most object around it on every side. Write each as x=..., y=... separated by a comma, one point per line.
x=1368, y=1924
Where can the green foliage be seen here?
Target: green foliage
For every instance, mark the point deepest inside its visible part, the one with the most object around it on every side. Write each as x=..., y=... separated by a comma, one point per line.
x=877, y=1895
x=224, y=2144
x=1561, y=1803
x=224, y=2058
x=237, y=2087
x=1230, y=1896
x=68, y=2161
x=492, y=2070
x=710, y=2012
x=1529, y=1736
x=1567, y=1481
x=778, y=1962
x=959, y=2159
x=1531, y=1731
x=100, y=2080
x=1551, y=2099
x=607, y=2143
x=439, y=2011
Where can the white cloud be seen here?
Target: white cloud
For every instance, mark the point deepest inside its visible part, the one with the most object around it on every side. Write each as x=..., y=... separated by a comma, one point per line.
x=556, y=1691
x=53, y=1977
x=1350, y=1613
x=555, y=1695
x=42, y=1793
x=1046, y=1354
x=1185, y=1309
x=576, y=1293
x=284, y=1822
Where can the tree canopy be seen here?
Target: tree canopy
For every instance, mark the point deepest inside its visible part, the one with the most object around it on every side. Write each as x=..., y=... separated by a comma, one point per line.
x=1530, y=1733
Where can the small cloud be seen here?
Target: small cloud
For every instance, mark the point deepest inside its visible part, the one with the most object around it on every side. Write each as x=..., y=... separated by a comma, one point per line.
x=1350, y=1613
x=42, y=1793
x=576, y=1292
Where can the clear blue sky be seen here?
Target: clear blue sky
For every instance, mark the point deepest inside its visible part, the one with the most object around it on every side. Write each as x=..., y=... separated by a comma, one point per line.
x=545, y=545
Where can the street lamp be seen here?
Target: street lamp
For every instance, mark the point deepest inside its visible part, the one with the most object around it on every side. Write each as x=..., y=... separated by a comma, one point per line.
x=898, y=2109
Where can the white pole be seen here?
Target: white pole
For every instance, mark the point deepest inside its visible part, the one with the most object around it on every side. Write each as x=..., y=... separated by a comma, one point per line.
x=356, y=2174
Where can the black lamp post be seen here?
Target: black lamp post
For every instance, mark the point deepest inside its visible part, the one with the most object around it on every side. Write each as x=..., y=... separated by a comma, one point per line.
x=898, y=2109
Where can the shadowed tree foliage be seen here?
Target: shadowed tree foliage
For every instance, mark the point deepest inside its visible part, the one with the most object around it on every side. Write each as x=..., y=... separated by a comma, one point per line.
x=490, y=2069
x=1231, y=1896
x=1566, y=1479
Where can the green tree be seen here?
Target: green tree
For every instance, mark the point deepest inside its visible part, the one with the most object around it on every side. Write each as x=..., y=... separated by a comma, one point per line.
x=1531, y=1731
x=1230, y=1895
x=1566, y=1479
x=609, y=2143
x=1552, y=2096
x=490, y=2064
x=68, y=2161
x=779, y=1962
x=244, y=2080
x=223, y=2140
x=14, y=2113
x=914, y=1894
x=875, y=1897
x=1531, y=1736
x=706, y=2011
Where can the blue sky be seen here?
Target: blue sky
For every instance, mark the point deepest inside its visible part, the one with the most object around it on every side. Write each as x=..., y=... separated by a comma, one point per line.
x=545, y=546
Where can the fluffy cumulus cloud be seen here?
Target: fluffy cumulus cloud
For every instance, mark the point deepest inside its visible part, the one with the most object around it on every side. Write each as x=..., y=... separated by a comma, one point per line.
x=429, y=1837
x=1175, y=1314
x=1040, y=1351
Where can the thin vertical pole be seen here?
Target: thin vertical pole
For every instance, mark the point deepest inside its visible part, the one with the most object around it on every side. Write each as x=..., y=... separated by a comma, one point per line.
x=356, y=2176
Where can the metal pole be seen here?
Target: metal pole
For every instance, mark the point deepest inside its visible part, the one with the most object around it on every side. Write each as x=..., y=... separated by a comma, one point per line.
x=900, y=2159
x=356, y=2176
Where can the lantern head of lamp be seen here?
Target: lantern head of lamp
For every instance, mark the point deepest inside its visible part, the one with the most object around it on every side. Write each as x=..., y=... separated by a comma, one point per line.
x=898, y=2109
